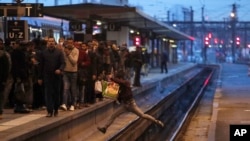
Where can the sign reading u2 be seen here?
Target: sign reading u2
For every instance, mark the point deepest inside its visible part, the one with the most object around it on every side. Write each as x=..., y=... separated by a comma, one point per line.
x=16, y=30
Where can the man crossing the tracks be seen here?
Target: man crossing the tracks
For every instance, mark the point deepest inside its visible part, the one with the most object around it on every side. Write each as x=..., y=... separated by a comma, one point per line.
x=127, y=103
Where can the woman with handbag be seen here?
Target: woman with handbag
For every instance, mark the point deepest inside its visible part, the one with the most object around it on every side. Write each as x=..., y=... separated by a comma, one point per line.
x=127, y=101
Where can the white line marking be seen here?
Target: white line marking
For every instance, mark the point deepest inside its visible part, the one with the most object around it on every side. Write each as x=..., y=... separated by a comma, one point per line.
x=245, y=122
x=19, y=121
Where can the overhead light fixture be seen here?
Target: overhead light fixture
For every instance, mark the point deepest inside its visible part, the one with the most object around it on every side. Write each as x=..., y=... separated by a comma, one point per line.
x=171, y=41
x=173, y=45
x=98, y=23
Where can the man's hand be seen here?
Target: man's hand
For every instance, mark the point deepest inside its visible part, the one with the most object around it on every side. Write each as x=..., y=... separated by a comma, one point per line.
x=67, y=51
x=34, y=61
x=58, y=72
x=40, y=82
x=94, y=77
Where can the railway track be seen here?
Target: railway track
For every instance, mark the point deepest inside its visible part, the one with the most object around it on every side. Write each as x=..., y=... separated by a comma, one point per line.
x=197, y=123
x=178, y=103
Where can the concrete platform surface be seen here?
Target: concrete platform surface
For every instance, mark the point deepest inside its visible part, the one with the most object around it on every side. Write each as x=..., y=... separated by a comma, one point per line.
x=15, y=125
x=231, y=101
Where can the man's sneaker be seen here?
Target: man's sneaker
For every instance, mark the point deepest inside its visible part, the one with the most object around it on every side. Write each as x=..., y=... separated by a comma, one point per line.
x=63, y=107
x=72, y=108
x=102, y=129
x=158, y=122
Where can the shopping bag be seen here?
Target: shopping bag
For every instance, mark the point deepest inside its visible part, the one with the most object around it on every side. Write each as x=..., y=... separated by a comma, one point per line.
x=98, y=86
x=110, y=90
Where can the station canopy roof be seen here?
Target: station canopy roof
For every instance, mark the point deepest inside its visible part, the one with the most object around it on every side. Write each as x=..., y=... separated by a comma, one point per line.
x=129, y=16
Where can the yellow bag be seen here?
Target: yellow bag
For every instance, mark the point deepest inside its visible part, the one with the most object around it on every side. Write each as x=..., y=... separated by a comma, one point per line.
x=110, y=90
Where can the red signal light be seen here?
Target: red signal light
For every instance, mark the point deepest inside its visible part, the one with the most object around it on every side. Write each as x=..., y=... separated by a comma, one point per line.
x=237, y=41
x=206, y=41
x=137, y=41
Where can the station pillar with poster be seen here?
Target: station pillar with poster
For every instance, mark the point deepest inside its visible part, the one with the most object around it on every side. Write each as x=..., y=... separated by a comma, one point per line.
x=17, y=30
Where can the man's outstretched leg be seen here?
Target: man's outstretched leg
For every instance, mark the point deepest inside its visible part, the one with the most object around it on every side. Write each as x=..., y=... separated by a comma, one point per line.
x=118, y=112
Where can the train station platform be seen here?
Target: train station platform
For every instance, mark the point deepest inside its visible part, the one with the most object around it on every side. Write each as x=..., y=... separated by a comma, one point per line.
x=231, y=103
x=19, y=127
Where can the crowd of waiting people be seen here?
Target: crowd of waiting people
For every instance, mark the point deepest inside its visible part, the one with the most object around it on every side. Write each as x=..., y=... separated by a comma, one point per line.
x=54, y=75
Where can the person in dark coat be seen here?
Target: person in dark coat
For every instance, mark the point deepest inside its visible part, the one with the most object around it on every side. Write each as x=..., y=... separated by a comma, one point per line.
x=83, y=72
x=22, y=86
x=127, y=60
x=116, y=57
x=127, y=103
x=38, y=90
x=5, y=64
x=146, y=62
x=51, y=66
x=91, y=73
x=164, y=62
x=137, y=63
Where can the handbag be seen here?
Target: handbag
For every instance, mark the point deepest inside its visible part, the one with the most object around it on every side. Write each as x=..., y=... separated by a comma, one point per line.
x=110, y=90
x=98, y=86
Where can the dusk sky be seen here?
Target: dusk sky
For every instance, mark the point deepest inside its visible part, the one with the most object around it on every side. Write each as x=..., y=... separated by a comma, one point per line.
x=214, y=10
